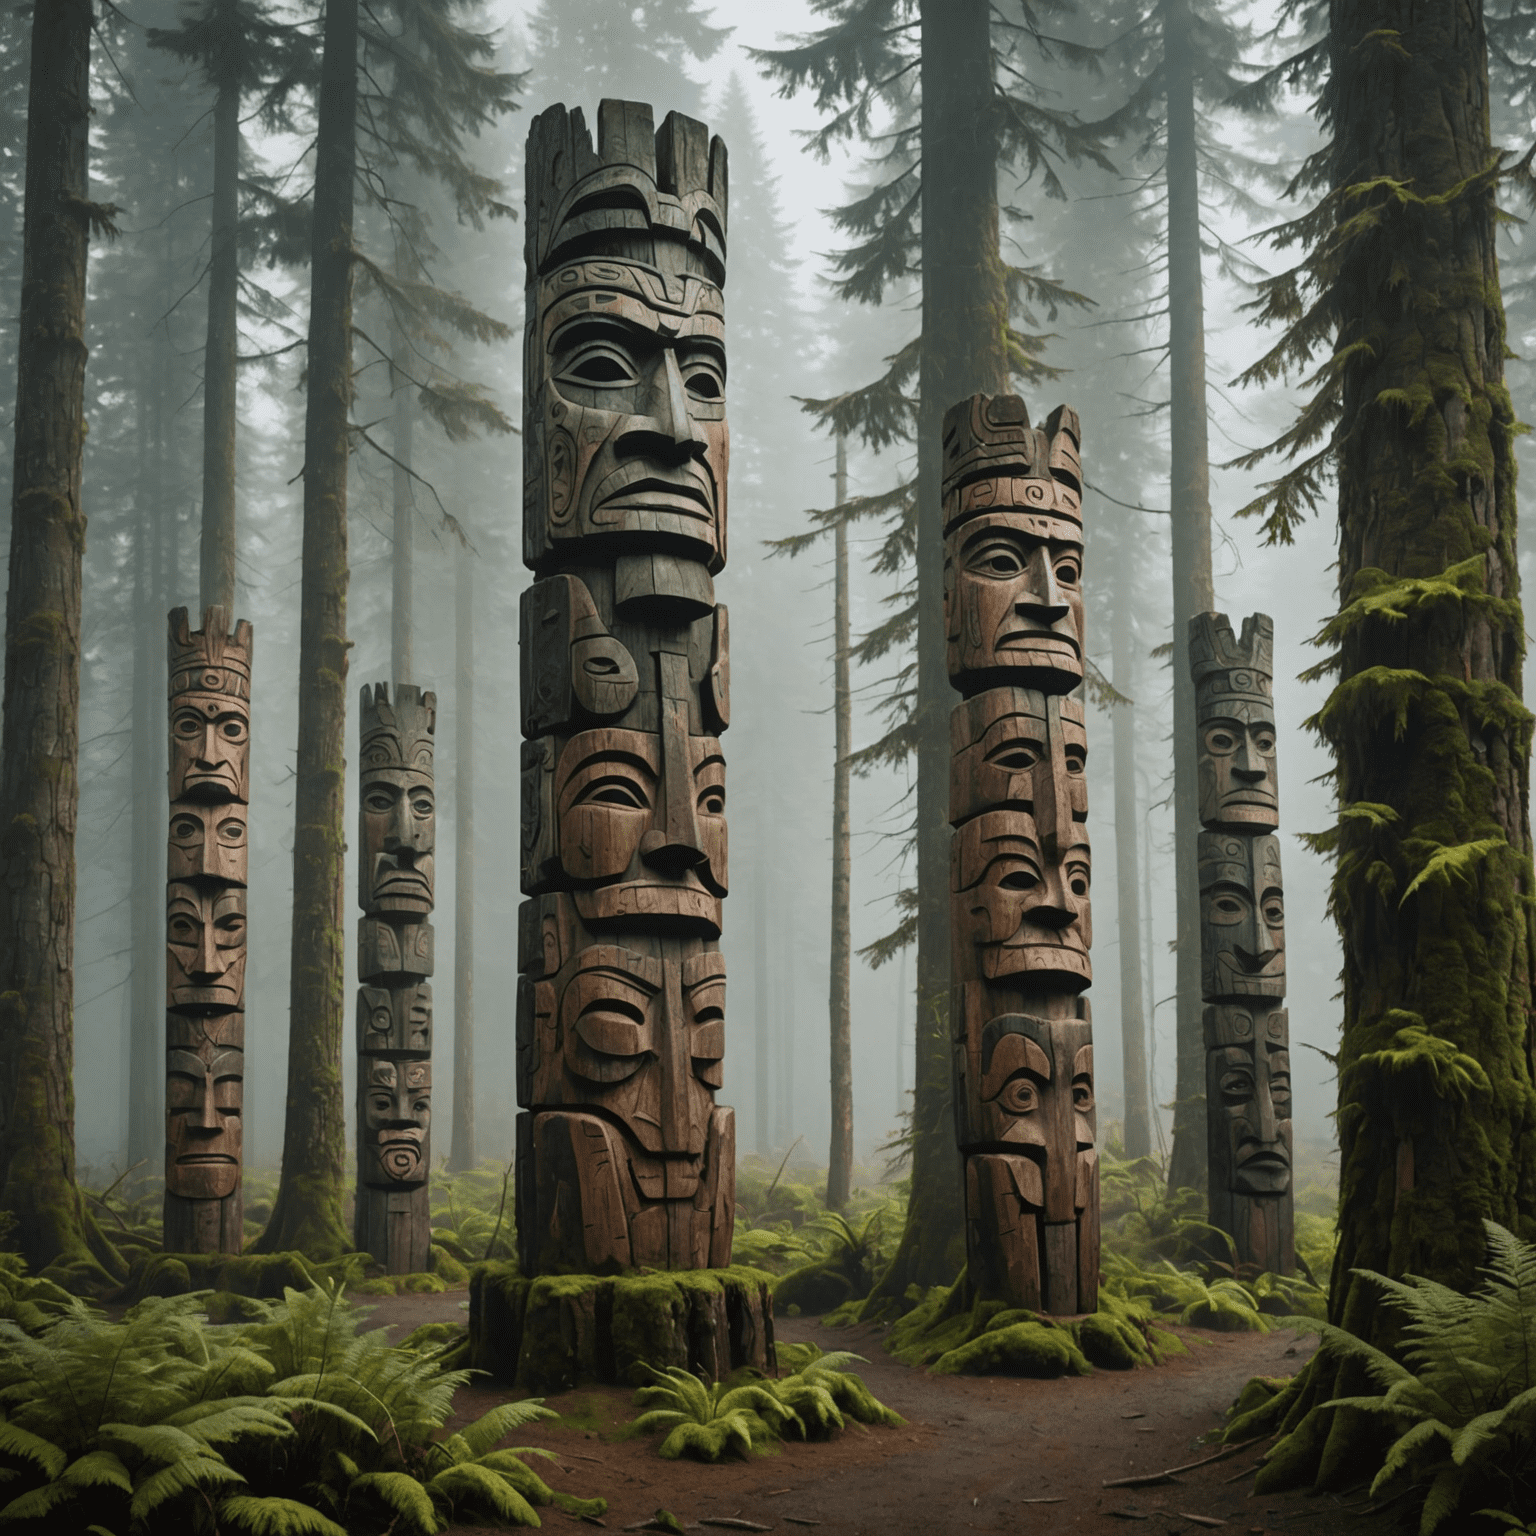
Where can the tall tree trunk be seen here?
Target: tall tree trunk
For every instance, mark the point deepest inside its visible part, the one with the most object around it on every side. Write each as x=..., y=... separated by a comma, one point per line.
x=1190, y=493
x=965, y=327
x=762, y=1032
x=402, y=622
x=462, y=1153
x=839, y=1004
x=217, y=558
x=1133, y=1019
x=1437, y=1114
x=39, y=748
x=307, y=1214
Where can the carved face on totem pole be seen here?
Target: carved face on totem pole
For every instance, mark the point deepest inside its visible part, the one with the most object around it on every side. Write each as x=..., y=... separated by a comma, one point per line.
x=205, y=947
x=397, y=812
x=1020, y=906
x=204, y=1091
x=1016, y=748
x=1248, y=1098
x=637, y=1037
x=208, y=841
x=395, y=1019
x=1242, y=918
x=396, y=1117
x=210, y=693
x=627, y=446
x=1235, y=713
x=1013, y=547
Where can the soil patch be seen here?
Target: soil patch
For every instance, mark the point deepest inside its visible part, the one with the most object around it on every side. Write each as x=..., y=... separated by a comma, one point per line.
x=976, y=1454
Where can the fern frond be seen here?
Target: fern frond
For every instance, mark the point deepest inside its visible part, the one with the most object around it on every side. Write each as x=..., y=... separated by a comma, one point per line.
x=412, y=1504
x=204, y=1471
x=491, y=1428
x=16, y=1441
x=276, y=1517
x=468, y=1487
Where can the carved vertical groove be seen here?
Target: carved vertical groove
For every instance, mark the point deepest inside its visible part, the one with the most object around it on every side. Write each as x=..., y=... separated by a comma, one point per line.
x=1242, y=942
x=624, y=1157
x=1021, y=921
x=210, y=791
x=397, y=842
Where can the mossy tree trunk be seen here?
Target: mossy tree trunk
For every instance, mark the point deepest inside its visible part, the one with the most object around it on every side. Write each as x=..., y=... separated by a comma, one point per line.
x=39, y=786
x=1190, y=502
x=463, y=1152
x=307, y=1214
x=839, y=1002
x=965, y=350
x=1437, y=1115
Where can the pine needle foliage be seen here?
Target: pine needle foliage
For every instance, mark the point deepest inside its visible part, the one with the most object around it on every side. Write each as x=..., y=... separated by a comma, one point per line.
x=294, y=1422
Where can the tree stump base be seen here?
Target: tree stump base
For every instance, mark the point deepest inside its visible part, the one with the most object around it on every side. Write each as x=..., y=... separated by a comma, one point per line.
x=553, y=1332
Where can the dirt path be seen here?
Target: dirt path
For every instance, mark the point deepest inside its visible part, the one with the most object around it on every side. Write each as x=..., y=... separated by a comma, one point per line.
x=976, y=1454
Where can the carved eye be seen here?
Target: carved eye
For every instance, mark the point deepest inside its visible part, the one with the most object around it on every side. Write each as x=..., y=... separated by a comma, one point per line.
x=601, y=366
x=231, y=832
x=618, y=792
x=379, y=801
x=1274, y=911
x=1067, y=571
x=1077, y=760
x=380, y=1019
x=1229, y=906
x=1003, y=562
x=189, y=725
x=712, y=800
x=380, y=1104
x=1077, y=879
x=1019, y=880
x=183, y=929
x=185, y=828
x=1017, y=756
x=1082, y=1096
x=232, y=730
x=1019, y=1096
x=230, y=929
x=1237, y=1087
x=600, y=666
x=1280, y=1096
x=421, y=804
x=703, y=384
x=421, y=1108
x=1264, y=742
x=1220, y=742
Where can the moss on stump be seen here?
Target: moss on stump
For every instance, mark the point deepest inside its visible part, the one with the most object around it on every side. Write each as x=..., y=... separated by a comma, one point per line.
x=549, y=1333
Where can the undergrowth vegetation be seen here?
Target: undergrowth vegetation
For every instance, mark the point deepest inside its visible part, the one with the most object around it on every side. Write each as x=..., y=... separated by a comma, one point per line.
x=750, y=1411
x=1454, y=1419
x=278, y=1418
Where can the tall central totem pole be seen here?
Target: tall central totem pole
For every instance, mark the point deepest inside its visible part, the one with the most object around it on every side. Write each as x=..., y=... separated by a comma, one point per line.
x=1020, y=919
x=623, y=1157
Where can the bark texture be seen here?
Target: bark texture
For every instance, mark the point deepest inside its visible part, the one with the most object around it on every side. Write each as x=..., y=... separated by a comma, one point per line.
x=39, y=786
x=1190, y=493
x=307, y=1214
x=1430, y=738
x=965, y=328
x=839, y=1002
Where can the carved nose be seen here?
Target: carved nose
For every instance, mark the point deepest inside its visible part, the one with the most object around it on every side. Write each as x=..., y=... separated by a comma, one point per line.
x=670, y=432
x=1052, y=910
x=1266, y=1108
x=210, y=958
x=1248, y=765
x=1042, y=599
x=400, y=831
x=205, y=1117
x=210, y=743
x=672, y=855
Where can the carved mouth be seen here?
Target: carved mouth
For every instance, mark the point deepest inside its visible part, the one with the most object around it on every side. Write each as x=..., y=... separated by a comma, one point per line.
x=1038, y=640
x=1250, y=964
x=642, y=488
x=188, y=1159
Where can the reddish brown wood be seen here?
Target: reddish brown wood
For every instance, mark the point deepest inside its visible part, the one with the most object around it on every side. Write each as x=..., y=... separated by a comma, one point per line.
x=397, y=839
x=1242, y=942
x=210, y=730
x=1021, y=920
x=624, y=1158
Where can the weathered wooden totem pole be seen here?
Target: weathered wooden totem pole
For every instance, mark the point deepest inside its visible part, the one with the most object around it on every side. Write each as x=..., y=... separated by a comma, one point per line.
x=397, y=817
x=1242, y=942
x=210, y=786
x=623, y=1157
x=1020, y=918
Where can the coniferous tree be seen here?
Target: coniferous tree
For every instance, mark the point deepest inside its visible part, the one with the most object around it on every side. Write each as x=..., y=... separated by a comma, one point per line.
x=1397, y=293
x=954, y=81
x=39, y=749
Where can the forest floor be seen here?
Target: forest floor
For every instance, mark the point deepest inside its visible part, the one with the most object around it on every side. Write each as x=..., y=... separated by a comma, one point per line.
x=984, y=1454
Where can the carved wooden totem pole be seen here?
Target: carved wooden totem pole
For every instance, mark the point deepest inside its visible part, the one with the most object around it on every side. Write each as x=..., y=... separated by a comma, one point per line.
x=397, y=817
x=623, y=1157
x=1020, y=917
x=210, y=785
x=1242, y=941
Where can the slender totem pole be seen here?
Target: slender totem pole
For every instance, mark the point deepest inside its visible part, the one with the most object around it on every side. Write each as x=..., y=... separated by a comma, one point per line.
x=1020, y=917
x=210, y=784
x=1242, y=942
x=623, y=1157
x=397, y=816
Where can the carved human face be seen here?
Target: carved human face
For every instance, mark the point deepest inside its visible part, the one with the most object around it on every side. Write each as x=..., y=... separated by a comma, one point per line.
x=203, y=1095
x=394, y=1018
x=1016, y=747
x=210, y=747
x=205, y=946
x=208, y=838
x=399, y=832
x=631, y=368
x=397, y=1115
x=639, y=1037
x=637, y=822
x=1242, y=917
x=1037, y=1097
x=390, y=949
x=1013, y=601
x=1239, y=791
x=1248, y=1094
x=1024, y=908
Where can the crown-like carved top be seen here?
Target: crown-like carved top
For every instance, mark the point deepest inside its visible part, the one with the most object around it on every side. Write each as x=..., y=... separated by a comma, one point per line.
x=1213, y=648
x=640, y=184
x=398, y=734
x=213, y=659
x=990, y=435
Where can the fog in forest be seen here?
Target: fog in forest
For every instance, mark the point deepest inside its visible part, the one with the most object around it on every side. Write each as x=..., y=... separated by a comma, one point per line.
x=788, y=337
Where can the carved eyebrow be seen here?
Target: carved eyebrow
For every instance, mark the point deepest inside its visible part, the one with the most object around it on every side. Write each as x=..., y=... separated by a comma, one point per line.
x=590, y=327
